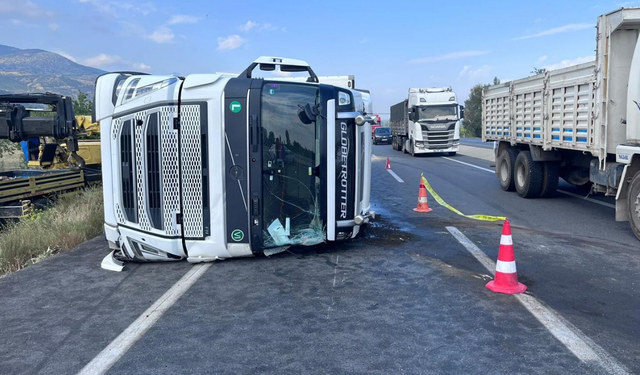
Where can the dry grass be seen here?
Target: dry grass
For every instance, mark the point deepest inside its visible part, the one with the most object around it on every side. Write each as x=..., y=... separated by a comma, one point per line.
x=70, y=221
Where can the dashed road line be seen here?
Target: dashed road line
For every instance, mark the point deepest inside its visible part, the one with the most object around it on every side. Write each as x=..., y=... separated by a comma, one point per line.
x=470, y=165
x=395, y=176
x=570, y=336
x=605, y=204
x=118, y=347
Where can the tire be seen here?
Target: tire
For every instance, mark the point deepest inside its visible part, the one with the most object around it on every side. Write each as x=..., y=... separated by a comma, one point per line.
x=527, y=175
x=374, y=142
x=505, y=166
x=453, y=153
x=633, y=204
x=550, y=178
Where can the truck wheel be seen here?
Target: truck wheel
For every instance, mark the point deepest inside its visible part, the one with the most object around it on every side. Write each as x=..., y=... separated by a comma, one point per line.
x=528, y=175
x=506, y=164
x=453, y=153
x=550, y=177
x=633, y=204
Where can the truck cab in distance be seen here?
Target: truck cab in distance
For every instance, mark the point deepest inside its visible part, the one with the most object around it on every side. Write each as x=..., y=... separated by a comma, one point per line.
x=427, y=122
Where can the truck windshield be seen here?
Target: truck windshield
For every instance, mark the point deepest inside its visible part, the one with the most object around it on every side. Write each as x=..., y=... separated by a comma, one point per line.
x=438, y=112
x=290, y=161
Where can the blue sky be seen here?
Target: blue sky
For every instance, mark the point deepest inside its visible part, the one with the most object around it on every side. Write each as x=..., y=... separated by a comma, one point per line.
x=388, y=46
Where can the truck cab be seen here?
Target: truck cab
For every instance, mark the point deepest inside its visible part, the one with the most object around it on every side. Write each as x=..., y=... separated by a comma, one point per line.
x=428, y=121
x=214, y=166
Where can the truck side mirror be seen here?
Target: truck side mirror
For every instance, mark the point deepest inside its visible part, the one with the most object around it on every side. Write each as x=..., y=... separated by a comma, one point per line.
x=410, y=115
x=461, y=112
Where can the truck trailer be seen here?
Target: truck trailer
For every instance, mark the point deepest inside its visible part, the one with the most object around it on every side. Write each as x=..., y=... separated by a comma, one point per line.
x=427, y=122
x=581, y=123
x=215, y=166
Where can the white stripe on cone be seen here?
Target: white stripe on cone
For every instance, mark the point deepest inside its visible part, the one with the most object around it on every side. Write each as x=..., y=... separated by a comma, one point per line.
x=422, y=199
x=506, y=267
x=506, y=240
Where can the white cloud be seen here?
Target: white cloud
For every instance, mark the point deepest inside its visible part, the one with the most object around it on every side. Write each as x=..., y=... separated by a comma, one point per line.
x=182, y=18
x=557, y=30
x=66, y=55
x=542, y=59
x=479, y=74
x=268, y=27
x=449, y=56
x=102, y=59
x=113, y=8
x=231, y=42
x=140, y=66
x=54, y=26
x=24, y=8
x=248, y=26
x=162, y=35
x=566, y=63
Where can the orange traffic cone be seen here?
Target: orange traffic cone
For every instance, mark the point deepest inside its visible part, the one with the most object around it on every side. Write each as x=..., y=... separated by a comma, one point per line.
x=506, y=279
x=388, y=166
x=423, y=203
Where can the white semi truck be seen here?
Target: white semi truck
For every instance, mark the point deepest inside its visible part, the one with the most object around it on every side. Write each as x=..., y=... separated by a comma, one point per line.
x=214, y=166
x=581, y=123
x=427, y=122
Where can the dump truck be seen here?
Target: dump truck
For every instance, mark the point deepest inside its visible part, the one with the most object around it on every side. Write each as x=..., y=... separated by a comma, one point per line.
x=581, y=123
x=216, y=166
x=428, y=121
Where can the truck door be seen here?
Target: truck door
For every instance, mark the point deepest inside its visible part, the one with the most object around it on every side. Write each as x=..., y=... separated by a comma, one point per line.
x=146, y=174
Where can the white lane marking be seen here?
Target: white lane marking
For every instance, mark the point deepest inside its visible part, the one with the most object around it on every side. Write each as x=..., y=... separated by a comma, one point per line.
x=575, y=340
x=470, y=165
x=118, y=347
x=605, y=204
x=395, y=176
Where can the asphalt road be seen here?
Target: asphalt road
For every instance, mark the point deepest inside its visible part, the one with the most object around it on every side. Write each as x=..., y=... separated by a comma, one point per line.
x=476, y=142
x=403, y=298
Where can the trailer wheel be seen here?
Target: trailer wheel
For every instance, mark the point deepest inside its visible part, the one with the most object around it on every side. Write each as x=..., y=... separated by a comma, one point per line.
x=550, y=177
x=528, y=175
x=506, y=164
x=633, y=204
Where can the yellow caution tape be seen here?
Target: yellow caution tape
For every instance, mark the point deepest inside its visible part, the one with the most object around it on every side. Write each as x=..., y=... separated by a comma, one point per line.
x=454, y=210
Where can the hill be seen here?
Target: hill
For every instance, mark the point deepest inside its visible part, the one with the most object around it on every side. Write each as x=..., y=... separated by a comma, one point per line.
x=35, y=70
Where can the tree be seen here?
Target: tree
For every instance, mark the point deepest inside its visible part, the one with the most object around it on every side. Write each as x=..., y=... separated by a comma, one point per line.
x=472, y=123
x=537, y=71
x=496, y=81
x=82, y=105
x=8, y=147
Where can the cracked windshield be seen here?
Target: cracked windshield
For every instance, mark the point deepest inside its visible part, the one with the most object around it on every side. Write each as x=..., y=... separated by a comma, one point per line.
x=291, y=209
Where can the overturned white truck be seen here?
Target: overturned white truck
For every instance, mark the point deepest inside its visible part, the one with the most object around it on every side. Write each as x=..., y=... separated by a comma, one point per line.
x=215, y=166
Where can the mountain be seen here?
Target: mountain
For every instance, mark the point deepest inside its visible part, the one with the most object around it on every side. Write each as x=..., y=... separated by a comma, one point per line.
x=36, y=70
